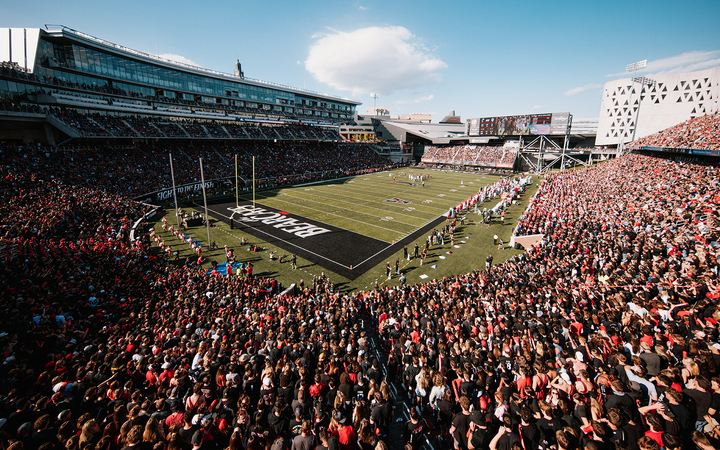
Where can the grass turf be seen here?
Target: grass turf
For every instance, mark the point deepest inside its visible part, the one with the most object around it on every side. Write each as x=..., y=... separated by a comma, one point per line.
x=359, y=204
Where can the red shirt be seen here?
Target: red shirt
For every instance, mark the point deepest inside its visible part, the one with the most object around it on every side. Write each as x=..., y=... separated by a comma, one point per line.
x=346, y=438
x=415, y=336
x=521, y=384
x=656, y=436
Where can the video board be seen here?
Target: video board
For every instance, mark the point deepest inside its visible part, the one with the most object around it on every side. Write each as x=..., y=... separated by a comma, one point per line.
x=523, y=125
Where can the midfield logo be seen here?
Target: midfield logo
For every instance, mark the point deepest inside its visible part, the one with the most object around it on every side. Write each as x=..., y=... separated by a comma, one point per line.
x=397, y=200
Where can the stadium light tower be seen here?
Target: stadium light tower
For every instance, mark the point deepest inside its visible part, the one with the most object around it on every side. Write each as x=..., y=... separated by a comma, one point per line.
x=634, y=67
x=644, y=81
x=375, y=96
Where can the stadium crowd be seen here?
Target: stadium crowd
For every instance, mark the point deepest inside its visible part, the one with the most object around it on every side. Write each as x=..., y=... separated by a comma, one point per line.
x=101, y=125
x=602, y=336
x=440, y=153
x=473, y=155
x=701, y=132
x=138, y=169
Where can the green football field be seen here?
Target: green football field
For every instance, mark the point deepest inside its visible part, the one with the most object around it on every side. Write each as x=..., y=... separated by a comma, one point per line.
x=387, y=206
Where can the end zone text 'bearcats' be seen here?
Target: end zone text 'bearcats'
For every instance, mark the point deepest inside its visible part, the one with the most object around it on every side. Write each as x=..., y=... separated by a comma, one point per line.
x=282, y=221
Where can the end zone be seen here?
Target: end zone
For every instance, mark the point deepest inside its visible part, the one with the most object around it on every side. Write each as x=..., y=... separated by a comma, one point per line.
x=327, y=246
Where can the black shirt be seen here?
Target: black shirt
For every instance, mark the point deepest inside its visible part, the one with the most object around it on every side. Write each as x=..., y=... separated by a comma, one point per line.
x=582, y=411
x=303, y=442
x=614, y=400
x=480, y=438
x=715, y=404
x=548, y=427
x=702, y=401
x=278, y=424
x=187, y=435
x=653, y=363
x=461, y=422
x=286, y=394
x=633, y=435
x=617, y=435
x=413, y=433
x=507, y=440
x=380, y=416
x=620, y=368
x=445, y=415
x=530, y=436
x=682, y=415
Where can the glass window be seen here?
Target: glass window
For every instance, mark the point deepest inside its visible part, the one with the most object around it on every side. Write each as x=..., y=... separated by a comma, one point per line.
x=104, y=64
x=131, y=75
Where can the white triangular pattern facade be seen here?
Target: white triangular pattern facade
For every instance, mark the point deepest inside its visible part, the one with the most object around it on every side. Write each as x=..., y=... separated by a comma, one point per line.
x=683, y=96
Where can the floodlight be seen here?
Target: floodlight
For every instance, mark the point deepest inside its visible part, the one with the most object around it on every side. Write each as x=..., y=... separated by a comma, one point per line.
x=636, y=66
x=645, y=81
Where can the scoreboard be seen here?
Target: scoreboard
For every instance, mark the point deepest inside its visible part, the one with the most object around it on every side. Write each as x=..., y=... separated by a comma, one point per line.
x=529, y=124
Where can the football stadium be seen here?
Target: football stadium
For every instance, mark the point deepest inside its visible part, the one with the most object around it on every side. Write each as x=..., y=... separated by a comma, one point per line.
x=202, y=260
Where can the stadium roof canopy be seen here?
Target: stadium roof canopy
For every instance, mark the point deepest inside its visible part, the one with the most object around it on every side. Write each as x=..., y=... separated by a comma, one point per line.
x=436, y=134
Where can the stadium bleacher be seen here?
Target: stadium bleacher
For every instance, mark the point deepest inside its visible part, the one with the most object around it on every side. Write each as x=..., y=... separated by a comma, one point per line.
x=472, y=155
x=137, y=169
x=698, y=133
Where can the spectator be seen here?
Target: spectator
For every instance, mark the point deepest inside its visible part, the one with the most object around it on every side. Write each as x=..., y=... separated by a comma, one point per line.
x=701, y=132
x=98, y=327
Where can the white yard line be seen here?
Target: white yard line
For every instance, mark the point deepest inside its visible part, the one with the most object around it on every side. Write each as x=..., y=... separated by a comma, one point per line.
x=343, y=217
x=449, y=196
x=355, y=203
x=341, y=208
x=414, y=204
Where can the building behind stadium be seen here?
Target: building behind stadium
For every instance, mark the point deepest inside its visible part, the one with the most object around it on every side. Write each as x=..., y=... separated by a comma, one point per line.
x=635, y=108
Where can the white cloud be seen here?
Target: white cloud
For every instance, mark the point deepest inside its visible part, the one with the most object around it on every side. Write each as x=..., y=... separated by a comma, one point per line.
x=362, y=8
x=426, y=98
x=538, y=106
x=178, y=58
x=578, y=90
x=709, y=64
x=685, y=62
x=375, y=59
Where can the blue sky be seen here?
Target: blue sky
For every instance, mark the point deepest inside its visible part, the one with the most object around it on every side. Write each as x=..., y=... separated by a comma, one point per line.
x=479, y=58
